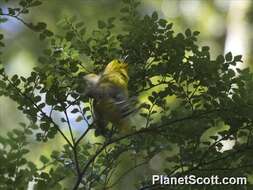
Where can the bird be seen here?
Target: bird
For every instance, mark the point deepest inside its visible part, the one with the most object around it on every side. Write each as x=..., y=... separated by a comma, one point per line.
x=111, y=102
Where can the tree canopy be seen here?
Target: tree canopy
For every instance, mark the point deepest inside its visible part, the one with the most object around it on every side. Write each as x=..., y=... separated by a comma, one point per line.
x=191, y=104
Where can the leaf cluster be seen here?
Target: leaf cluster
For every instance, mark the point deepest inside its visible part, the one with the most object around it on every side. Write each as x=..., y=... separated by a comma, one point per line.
x=163, y=65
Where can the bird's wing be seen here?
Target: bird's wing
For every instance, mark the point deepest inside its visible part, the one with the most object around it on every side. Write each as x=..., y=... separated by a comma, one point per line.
x=127, y=106
x=117, y=107
x=116, y=72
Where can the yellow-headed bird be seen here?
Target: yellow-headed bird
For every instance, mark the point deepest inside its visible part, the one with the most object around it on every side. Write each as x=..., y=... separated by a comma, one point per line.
x=109, y=91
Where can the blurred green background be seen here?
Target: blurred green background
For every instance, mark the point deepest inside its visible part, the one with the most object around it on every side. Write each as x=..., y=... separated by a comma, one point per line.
x=225, y=25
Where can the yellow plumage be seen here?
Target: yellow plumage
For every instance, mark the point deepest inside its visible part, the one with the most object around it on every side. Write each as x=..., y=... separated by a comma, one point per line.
x=116, y=72
x=110, y=93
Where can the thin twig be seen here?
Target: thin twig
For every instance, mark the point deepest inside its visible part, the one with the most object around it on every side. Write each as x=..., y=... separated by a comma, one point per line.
x=127, y=172
x=40, y=110
x=145, y=130
x=155, y=85
x=69, y=126
x=19, y=19
x=73, y=141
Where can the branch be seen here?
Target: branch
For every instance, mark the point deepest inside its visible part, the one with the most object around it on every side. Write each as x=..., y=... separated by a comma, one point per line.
x=79, y=179
x=145, y=130
x=19, y=19
x=74, y=144
x=69, y=126
x=150, y=112
x=40, y=110
x=155, y=85
x=201, y=164
x=204, y=155
x=87, y=130
x=82, y=136
x=127, y=172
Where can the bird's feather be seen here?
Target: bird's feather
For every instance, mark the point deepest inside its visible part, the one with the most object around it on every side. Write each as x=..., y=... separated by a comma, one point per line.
x=110, y=93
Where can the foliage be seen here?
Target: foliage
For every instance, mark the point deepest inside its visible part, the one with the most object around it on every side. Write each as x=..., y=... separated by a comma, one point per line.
x=209, y=93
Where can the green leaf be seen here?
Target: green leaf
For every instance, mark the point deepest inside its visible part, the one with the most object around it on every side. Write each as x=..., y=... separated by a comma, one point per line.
x=79, y=118
x=151, y=98
x=101, y=24
x=14, y=78
x=214, y=137
x=228, y=56
x=188, y=32
x=37, y=98
x=42, y=105
x=207, y=143
x=75, y=110
x=231, y=73
x=196, y=33
x=205, y=48
x=44, y=126
x=154, y=15
x=48, y=33
x=44, y=175
x=145, y=106
x=3, y=20
x=162, y=22
x=35, y=3
x=44, y=159
x=143, y=115
x=238, y=58
x=40, y=26
x=11, y=11
x=1, y=70
x=52, y=132
x=220, y=59
x=1, y=36
x=63, y=120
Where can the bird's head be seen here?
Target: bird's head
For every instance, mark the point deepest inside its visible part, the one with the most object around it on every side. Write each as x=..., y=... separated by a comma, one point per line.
x=91, y=79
